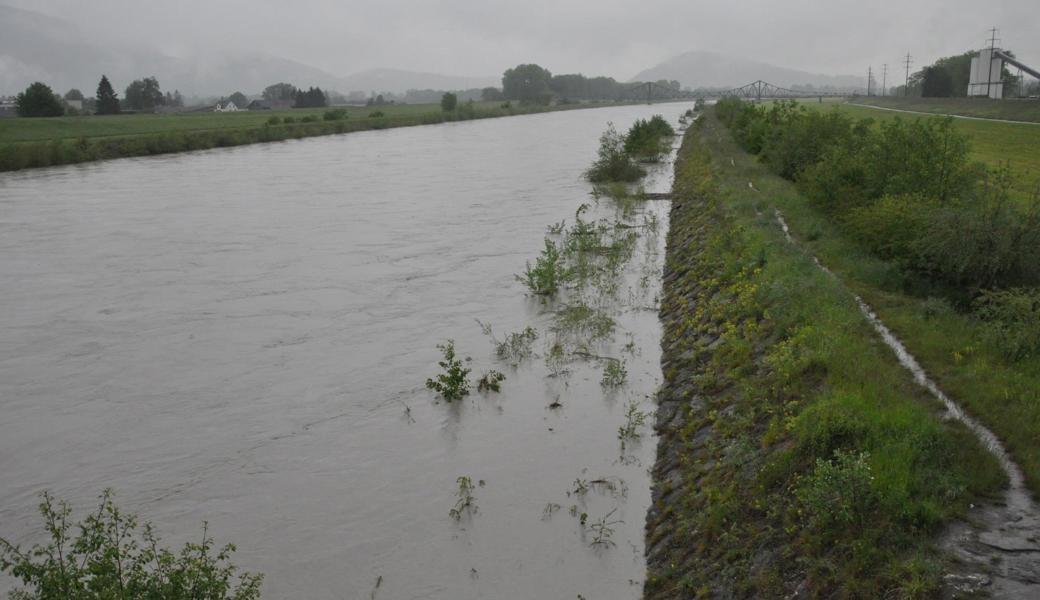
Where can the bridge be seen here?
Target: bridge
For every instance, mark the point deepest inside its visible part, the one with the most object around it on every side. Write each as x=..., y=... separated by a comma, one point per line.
x=758, y=90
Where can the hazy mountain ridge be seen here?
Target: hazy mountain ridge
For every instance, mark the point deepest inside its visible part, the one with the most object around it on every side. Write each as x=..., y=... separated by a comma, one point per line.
x=709, y=69
x=38, y=47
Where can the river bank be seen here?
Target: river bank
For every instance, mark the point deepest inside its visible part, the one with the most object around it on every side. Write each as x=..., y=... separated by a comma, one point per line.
x=35, y=143
x=796, y=455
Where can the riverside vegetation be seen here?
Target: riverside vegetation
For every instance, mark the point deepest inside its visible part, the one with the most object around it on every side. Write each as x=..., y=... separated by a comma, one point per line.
x=31, y=143
x=942, y=247
x=579, y=281
x=108, y=555
x=796, y=455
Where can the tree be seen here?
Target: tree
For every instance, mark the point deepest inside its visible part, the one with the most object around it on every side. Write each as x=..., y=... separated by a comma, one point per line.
x=144, y=94
x=107, y=101
x=526, y=83
x=449, y=101
x=174, y=99
x=279, y=92
x=239, y=99
x=491, y=94
x=312, y=98
x=38, y=100
x=74, y=94
x=937, y=83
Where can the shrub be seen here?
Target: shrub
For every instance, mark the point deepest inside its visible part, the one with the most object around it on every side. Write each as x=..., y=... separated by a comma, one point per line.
x=1012, y=320
x=274, y=121
x=289, y=120
x=649, y=139
x=309, y=119
x=548, y=273
x=112, y=558
x=613, y=163
x=376, y=114
x=449, y=101
x=335, y=114
x=839, y=492
x=453, y=383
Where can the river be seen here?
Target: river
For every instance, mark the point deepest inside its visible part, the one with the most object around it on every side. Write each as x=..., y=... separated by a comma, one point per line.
x=242, y=336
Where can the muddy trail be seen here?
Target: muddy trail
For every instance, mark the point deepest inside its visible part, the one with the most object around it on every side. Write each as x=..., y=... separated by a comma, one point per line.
x=996, y=549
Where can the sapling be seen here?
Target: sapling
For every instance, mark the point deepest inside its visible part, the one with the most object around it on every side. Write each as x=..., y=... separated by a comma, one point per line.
x=453, y=383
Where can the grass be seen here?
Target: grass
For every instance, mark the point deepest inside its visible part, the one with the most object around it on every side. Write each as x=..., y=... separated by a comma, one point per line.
x=952, y=346
x=31, y=143
x=1012, y=109
x=792, y=402
x=993, y=143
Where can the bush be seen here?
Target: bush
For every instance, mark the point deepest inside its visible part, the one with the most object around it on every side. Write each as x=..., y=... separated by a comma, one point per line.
x=453, y=383
x=449, y=101
x=1012, y=320
x=274, y=121
x=309, y=119
x=649, y=139
x=112, y=558
x=376, y=114
x=613, y=163
x=289, y=120
x=335, y=114
x=839, y=492
x=38, y=100
x=548, y=273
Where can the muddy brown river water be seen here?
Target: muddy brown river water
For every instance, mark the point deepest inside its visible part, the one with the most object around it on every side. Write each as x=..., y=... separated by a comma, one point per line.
x=242, y=336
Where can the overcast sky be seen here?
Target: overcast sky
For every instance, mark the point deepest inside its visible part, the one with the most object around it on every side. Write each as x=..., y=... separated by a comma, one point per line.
x=612, y=37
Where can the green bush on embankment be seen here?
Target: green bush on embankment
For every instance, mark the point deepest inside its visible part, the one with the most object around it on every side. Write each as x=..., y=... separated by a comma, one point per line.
x=807, y=457
x=935, y=244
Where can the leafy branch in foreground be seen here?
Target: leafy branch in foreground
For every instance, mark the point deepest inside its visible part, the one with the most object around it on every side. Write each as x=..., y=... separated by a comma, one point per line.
x=112, y=558
x=453, y=383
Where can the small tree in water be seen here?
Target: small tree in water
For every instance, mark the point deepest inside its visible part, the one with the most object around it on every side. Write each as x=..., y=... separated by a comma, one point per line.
x=453, y=383
x=111, y=558
x=449, y=101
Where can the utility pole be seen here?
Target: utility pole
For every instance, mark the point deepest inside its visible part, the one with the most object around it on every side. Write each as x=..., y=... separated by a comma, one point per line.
x=870, y=77
x=906, y=86
x=884, y=79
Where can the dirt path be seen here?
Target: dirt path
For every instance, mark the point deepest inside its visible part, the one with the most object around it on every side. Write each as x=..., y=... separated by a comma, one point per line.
x=931, y=114
x=996, y=550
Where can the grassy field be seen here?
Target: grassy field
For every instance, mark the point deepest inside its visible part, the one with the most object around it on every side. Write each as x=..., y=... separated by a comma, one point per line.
x=992, y=143
x=807, y=458
x=31, y=143
x=1013, y=110
x=61, y=128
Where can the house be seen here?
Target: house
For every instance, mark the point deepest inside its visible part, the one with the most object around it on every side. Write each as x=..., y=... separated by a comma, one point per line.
x=229, y=106
x=8, y=106
x=258, y=105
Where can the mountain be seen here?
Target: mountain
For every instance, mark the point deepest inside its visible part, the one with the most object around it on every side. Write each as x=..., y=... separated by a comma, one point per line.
x=709, y=69
x=399, y=81
x=38, y=47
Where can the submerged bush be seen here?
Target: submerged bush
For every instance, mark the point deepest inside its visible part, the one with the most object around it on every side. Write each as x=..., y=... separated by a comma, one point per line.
x=649, y=139
x=453, y=382
x=613, y=162
x=111, y=557
x=548, y=272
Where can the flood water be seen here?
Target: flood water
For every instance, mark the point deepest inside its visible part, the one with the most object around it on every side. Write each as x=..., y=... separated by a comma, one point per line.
x=243, y=335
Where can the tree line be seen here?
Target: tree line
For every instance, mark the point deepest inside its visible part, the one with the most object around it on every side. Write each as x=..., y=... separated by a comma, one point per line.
x=536, y=84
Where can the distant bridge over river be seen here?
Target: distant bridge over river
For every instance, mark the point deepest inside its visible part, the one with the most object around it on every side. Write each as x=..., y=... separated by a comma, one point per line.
x=758, y=90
